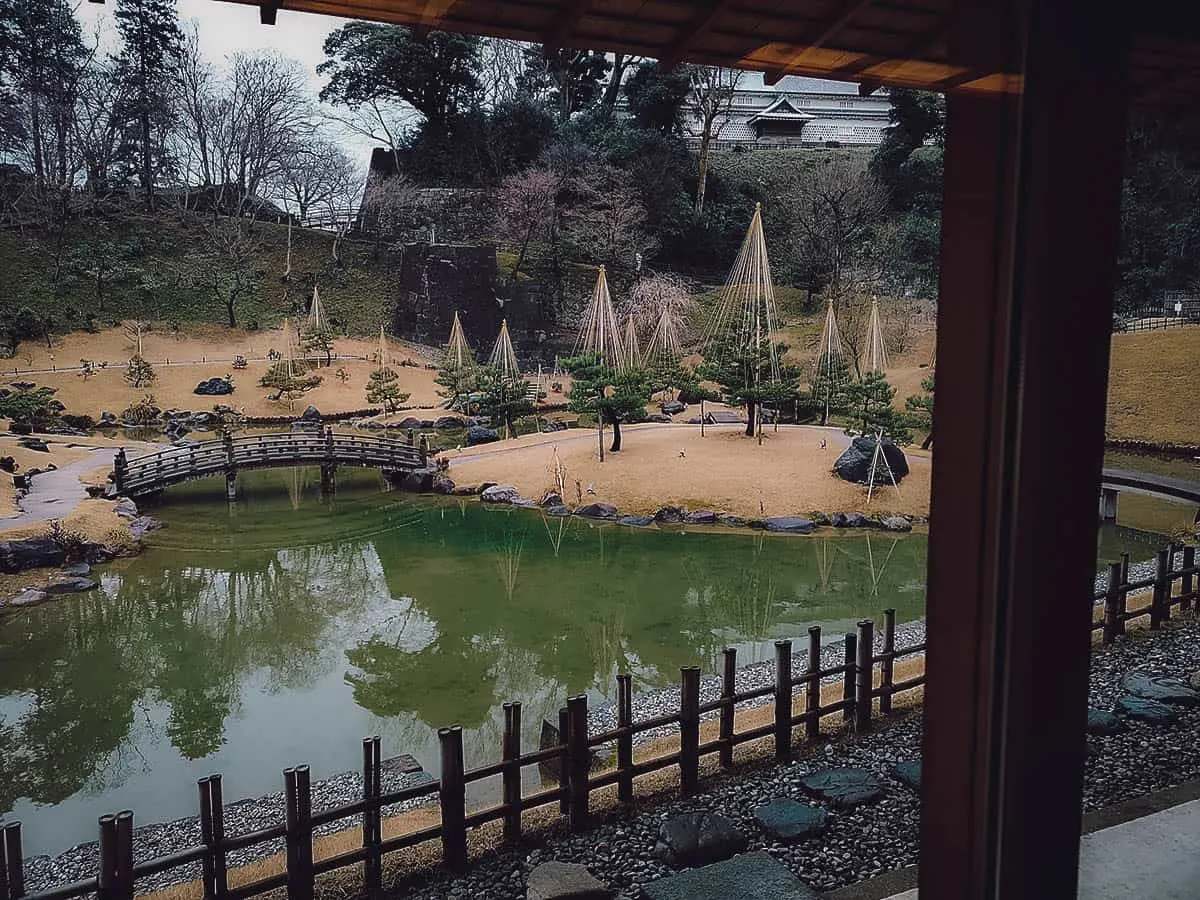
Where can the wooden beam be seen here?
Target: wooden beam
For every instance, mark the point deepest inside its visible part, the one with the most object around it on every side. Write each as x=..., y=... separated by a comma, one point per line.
x=867, y=88
x=771, y=77
x=568, y=17
x=916, y=49
x=267, y=11
x=703, y=20
x=821, y=35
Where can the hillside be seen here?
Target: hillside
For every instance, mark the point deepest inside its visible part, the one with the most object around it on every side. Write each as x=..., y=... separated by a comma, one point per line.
x=101, y=270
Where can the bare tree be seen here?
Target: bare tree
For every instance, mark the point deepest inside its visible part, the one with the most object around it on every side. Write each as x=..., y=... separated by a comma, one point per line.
x=381, y=122
x=710, y=101
x=197, y=105
x=225, y=266
x=316, y=173
x=526, y=205
x=98, y=132
x=388, y=204
x=829, y=208
x=607, y=223
x=662, y=293
x=501, y=65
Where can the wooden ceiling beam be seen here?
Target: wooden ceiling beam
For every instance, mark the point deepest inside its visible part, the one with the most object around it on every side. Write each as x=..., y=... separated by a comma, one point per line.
x=568, y=17
x=267, y=11
x=821, y=35
x=916, y=49
x=705, y=16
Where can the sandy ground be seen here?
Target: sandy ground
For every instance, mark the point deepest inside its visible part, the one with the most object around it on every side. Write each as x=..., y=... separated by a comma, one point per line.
x=723, y=470
x=208, y=353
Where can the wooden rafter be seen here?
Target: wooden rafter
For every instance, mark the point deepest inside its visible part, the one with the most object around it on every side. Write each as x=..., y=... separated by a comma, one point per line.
x=267, y=11
x=919, y=48
x=705, y=16
x=566, y=21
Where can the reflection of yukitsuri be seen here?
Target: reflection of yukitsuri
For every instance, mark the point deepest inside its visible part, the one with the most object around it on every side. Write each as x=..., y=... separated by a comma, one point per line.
x=876, y=575
x=606, y=640
x=874, y=358
x=382, y=353
x=556, y=534
x=824, y=562
x=504, y=357
x=599, y=333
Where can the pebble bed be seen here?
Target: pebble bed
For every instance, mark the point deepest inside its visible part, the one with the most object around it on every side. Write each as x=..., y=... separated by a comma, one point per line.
x=857, y=844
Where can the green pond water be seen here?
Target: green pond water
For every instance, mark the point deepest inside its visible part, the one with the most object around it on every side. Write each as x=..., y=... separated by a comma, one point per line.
x=284, y=628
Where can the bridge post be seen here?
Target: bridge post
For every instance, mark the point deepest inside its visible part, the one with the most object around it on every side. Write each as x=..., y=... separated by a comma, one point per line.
x=328, y=481
x=120, y=464
x=424, y=448
x=1108, y=504
x=231, y=484
x=230, y=466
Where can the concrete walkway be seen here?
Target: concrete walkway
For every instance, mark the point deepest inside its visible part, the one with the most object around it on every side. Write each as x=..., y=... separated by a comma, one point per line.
x=1154, y=856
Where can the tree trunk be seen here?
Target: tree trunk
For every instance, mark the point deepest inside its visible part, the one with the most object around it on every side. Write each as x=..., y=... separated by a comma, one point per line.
x=147, y=168
x=702, y=165
x=928, y=442
x=231, y=309
x=616, y=444
x=750, y=408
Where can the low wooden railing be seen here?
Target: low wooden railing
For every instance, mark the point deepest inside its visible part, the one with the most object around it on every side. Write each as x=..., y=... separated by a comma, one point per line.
x=231, y=454
x=117, y=874
x=1160, y=588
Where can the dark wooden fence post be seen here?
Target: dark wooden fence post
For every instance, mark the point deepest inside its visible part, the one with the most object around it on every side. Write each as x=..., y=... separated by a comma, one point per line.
x=848, y=668
x=812, y=687
x=783, y=700
x=1124, y=568
x=887, y=666
x=124, y=879
x=689, y=730
x=625, y=739
x=1159, y=608
x=120, y=466
x=372, y=820
x=577, y=762
x=106, y=877
x=728, y=690
x=1114, y=604
x=511, y=753
x=14, y=861
x=3, y=868
x=863, y=676
x=564, y=800
x=452, y=795
x=206, y=837
x=297, y=792
x=1188, y=585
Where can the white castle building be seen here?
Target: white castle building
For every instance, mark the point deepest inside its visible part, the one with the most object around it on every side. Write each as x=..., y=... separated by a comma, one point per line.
x=795, y=112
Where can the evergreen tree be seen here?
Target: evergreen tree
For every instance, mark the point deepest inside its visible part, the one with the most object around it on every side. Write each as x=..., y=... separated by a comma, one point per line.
x=829, y=386
x=383, y=387
x=745, y=376
x=318, y=340
x=502, y=398
x=139, y=372
x=457, y=382
x=610, y=394
x=870, y=404
x=919, y=408
x=656, y=98
x=151, y=47
x=289, y=380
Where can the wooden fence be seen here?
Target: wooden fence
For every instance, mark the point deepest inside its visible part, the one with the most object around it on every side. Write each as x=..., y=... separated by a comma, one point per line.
x=857, y=674
x=1160, y=588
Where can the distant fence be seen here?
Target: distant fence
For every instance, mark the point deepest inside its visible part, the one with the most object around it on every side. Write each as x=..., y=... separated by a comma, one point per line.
x=1161, y=587
x=1152, y=320
x=857, y=676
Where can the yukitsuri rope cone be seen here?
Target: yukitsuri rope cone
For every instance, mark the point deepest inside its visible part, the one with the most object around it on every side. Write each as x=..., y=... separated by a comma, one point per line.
x=504, y=357
x=874, y=358
x=458, y=351
x=831, y=359
x=665, y=346
x=747, y=312
x=383, y=361
x=600, y=333
x=316, y=313
x=632, y=356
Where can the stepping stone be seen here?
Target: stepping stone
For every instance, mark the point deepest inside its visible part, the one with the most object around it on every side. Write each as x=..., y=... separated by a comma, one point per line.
x=908, y=773
x=564, y=881
x=694, y=839
x=788, y=820
x=405, y=764
x=597, y=511
x=1101, y=721
x=757, y=875
x=1164, y=690
x=1146, y=711
x=844, y=788
x=29, y=597
x=70, y=584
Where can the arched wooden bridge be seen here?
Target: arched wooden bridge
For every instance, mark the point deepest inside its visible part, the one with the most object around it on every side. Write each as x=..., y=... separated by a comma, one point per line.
x=152, y=472
x=1162, y=487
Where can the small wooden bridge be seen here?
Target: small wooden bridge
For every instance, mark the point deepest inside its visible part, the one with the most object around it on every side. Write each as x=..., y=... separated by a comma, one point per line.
x=1162, y=487
x=152, y=472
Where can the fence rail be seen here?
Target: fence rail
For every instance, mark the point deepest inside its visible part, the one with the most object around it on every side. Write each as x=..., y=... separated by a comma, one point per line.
x=1161, y=588
x=864, y=677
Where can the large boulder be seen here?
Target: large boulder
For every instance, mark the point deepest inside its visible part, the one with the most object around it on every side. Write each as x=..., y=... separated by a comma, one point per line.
x=32, y=443
x=597, y=511
x=700, y=517
x=1143, y=710
x=789, y=525
x=698, y=838
x=552, y=498
x=443, y=485
x=409, y=422
x=450, y=422
x=28, y=597
x=32, y=553
x=896, y=523
x=500, y=493
x=140, y=526
x=855, y=463
x=310, y=414
x=214, y=387
x=848, y=520
x=564, y=881
x=418, y=481
x=126, y=509
x=477, y=434
x=672, y=407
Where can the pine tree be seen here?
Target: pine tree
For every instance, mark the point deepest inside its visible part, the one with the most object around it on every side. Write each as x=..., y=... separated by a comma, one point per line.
x=610, y=393
x=827, y=391
x=744, y=375
x=919, y=408
x=870, y=402
x=318, y=339
x=151, y=46
x=139, y=372
x=289, y=380
x=383, y=387
x=503, y=398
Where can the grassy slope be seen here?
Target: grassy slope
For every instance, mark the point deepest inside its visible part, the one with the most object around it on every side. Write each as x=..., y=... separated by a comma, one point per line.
x=359, y=293
x=1154, y=386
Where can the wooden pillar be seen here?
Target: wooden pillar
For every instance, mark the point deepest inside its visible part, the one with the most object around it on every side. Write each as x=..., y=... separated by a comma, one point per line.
x=1108, y=504
x=1029, y=241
